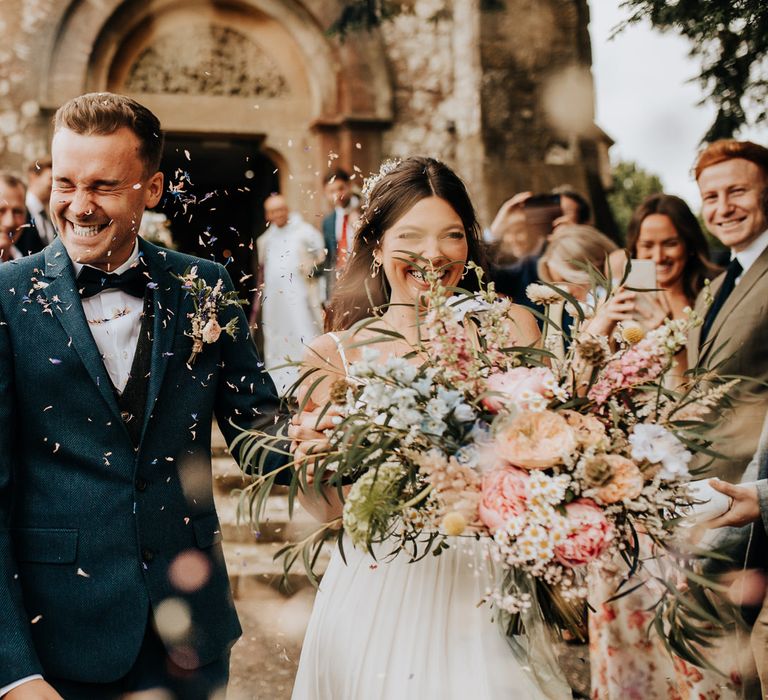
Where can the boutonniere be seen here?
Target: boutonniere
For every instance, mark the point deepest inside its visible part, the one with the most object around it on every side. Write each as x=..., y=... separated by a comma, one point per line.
x=208, y=302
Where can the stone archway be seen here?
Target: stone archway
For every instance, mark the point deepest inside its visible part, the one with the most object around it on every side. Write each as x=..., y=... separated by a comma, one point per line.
x=235, y=68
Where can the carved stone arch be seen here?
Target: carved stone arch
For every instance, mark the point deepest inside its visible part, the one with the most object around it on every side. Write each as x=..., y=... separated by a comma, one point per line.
x=312, y=95
x=349, y=82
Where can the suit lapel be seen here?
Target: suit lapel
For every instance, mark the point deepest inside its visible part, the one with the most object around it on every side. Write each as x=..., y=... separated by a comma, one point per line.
x=166, y=291
x=65, y=304
x=748, y=280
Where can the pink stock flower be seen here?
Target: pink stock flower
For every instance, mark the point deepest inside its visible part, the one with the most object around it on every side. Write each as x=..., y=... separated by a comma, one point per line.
x=590, y=534
x=640, y=363
x=504, y=496
x=535, y=440
x=518, y=385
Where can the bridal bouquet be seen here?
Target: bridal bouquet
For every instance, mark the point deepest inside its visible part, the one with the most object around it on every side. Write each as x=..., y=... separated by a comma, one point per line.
x=558, y=461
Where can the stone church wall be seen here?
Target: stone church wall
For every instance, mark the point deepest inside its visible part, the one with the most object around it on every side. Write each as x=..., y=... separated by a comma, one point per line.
x=470, y=84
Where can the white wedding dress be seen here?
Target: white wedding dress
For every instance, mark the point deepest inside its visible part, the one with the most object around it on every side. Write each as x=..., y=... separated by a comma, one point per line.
x=391, y=629
x=394, y=630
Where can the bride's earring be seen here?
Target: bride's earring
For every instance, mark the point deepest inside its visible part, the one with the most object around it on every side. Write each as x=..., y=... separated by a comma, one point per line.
x=375, y=267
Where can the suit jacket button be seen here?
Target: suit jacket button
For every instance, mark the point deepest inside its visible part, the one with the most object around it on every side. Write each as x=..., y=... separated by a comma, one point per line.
x=147, y=555
x=141, y=484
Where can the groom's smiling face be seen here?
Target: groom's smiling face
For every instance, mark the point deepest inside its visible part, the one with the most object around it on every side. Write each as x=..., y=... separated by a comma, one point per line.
x=100, y=190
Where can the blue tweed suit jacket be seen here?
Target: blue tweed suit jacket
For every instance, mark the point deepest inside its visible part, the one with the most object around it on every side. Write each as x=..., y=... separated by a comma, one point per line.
x=91, y=527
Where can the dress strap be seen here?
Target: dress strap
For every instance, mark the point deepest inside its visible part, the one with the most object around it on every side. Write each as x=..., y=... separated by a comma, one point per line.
x=342, y=354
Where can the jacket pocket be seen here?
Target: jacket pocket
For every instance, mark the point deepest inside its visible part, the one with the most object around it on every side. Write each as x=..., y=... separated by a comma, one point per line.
x=207, y=530
x=45, y=545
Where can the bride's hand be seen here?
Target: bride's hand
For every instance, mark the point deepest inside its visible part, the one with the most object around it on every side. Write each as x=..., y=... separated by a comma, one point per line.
x=744, y=508
x=307, y=432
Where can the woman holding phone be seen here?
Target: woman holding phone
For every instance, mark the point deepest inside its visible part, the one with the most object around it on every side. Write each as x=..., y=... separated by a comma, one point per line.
x=663, y=230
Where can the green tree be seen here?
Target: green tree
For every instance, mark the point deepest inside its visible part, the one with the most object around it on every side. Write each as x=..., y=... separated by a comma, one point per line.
x=631, y=185
x=729, y=38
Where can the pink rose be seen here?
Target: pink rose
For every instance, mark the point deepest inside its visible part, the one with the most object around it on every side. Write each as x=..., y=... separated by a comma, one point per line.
x=590, y=533
x=211, y=331
x=504, y=495
x=518, y=385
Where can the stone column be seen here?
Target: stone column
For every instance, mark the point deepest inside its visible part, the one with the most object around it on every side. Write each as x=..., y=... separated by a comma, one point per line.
x=467, y=74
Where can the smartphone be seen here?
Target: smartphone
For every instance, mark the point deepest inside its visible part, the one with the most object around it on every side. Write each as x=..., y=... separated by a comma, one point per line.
x=541, y=210
x=641, y=275
x=641, y=278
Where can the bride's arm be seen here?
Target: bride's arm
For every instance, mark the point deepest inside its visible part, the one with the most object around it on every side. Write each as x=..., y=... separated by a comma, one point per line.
x=307, y=427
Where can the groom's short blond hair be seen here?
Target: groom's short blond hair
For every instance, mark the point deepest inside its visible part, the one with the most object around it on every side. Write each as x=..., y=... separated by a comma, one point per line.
x=104, y=113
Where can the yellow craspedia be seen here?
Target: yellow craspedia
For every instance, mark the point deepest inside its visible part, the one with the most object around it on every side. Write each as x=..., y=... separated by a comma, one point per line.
x=633, y=333
x=454, y=524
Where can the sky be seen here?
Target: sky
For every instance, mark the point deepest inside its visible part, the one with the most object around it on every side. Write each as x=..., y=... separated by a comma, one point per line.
x=645, y=102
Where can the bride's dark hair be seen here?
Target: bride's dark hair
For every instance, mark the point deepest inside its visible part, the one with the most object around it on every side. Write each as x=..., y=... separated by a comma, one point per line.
x=363, y=287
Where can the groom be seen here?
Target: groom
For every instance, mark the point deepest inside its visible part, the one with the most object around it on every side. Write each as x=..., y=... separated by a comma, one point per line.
x=112, y=578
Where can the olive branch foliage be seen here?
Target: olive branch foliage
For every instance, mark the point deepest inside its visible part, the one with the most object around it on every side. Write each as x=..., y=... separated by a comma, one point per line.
x=692, y=610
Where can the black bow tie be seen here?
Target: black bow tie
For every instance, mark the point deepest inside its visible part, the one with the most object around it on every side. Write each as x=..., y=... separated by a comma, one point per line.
x=91, y=281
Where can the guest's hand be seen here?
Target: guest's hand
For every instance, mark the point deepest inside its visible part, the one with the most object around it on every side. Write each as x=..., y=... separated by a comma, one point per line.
x=618, y=307
x=36, y=689
x=502, y=221
x=744, y=509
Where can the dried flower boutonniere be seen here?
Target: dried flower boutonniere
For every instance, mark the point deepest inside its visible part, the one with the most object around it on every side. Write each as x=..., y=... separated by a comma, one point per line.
x=208, y=302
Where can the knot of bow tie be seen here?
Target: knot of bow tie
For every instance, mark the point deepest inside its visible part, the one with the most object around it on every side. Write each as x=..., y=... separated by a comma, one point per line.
x=91, y=281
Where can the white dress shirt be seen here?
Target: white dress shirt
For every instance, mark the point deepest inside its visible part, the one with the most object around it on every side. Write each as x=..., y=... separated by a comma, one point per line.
x=41, y=218
x=751, y=253
x=114, y=318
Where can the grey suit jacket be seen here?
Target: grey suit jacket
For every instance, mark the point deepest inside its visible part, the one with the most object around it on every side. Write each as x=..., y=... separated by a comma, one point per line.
x=738, y=345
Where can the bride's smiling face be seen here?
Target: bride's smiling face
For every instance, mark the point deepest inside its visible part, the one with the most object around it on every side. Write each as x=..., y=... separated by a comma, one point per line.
x=432, y=234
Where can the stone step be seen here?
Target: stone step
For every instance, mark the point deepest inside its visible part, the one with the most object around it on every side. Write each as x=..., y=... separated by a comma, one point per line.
x=251, y=566
x=276, y=526
x=227, y=475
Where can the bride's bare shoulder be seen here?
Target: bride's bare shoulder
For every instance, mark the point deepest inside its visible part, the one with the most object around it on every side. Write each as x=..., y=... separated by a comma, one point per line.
x=324, y=352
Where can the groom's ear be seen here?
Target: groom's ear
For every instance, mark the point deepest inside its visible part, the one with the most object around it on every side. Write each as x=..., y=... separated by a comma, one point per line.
x=153, y=190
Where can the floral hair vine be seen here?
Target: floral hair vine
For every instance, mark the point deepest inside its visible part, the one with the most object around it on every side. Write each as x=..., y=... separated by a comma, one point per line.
x=371, y=181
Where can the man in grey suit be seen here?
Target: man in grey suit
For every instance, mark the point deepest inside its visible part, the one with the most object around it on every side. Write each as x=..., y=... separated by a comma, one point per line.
x=733, y=177
x=733, y=180
x=746, y=532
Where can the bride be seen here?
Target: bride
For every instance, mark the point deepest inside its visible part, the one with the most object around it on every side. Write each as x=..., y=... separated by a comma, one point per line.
x=390, y=628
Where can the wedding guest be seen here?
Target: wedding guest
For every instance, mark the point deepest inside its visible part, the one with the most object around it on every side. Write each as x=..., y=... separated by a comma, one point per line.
x=339, y=225
x=41, y=230
x=745, y=530
x=665, y=230
x=12, y=215
x=733, y=180
x=571, y=250
x=291, y=311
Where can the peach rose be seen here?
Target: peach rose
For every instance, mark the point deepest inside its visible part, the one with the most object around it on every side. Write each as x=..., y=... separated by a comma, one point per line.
x=590, y=534
x=504, y=495
x=535, y=440
x=518, y=385
x=626, y=480
x=590, y=432
x=211, y=331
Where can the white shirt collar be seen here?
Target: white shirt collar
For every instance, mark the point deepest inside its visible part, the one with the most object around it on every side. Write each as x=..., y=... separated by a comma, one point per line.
x=752, y=252
x=132, y=258
x=33, y=203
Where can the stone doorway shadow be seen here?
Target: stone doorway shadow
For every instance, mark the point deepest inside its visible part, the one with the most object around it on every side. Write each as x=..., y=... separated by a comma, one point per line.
x=214, y=193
